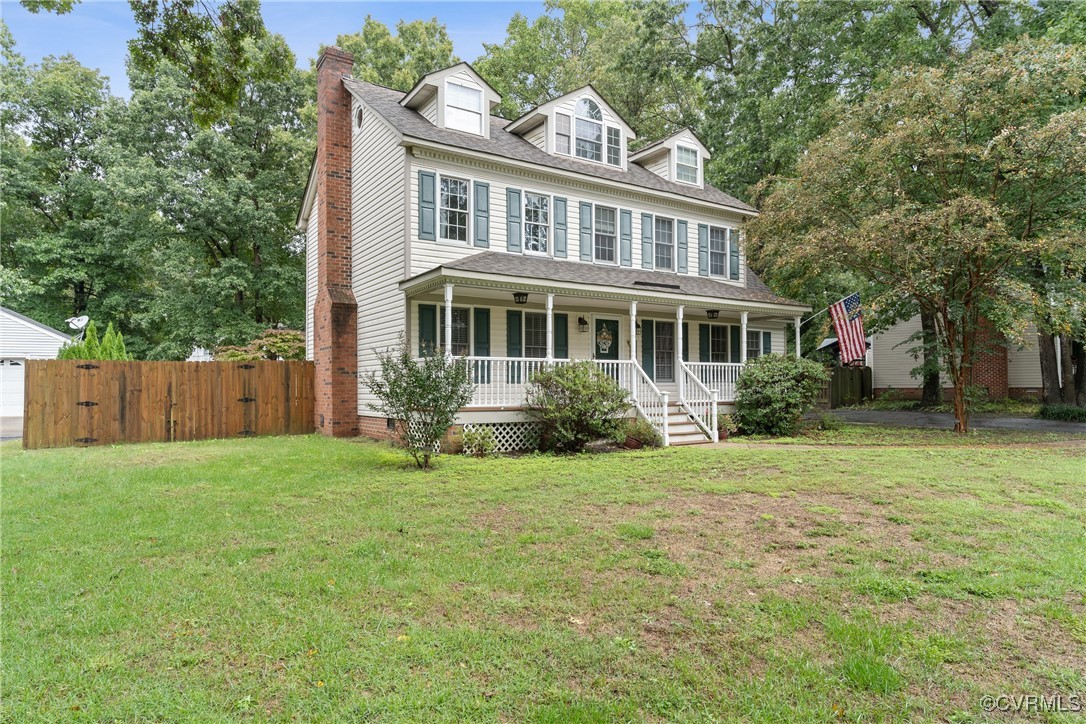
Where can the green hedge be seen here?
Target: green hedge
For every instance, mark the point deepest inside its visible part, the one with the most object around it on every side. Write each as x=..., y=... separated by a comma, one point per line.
x=1064, y=413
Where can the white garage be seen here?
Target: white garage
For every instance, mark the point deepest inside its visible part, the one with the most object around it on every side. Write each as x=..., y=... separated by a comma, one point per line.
x=21, y=338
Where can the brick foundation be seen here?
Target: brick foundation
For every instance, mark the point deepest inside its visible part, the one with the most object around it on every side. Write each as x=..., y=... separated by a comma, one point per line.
x=335, y=314
x=376, y=428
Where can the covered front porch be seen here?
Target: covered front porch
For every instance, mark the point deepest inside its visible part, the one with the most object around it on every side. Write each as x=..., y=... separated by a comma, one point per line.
x=678, y=356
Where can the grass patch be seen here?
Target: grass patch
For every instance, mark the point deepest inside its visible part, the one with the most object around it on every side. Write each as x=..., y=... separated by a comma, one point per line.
x=878, y=435
x=309, y=578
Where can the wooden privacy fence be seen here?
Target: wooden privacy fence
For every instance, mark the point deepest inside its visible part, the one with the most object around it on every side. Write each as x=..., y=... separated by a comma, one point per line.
x=846, y=386
x=74, y=402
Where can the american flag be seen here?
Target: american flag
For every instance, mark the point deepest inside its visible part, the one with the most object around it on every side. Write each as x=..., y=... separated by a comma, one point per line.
x=848, y=320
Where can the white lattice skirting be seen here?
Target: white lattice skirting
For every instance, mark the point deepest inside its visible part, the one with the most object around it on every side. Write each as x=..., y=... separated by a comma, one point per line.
x=510, y=436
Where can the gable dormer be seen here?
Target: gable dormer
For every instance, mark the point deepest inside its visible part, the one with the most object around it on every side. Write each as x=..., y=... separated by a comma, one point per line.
x=680, y=157
x=579, y=125
x=455, y=98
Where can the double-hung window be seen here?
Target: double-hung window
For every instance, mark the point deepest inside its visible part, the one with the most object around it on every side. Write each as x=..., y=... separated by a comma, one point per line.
x=461, y=331
x=535, y=335
x=537, y=219
x=561, y=133
x=463, y=108
x=606, y=234
x=589, y=127
x=453, y=214
x=614, y=146
x=718, y=343
x=686, y=164
x=754, y=344
x=718, y=251
x=665, y=243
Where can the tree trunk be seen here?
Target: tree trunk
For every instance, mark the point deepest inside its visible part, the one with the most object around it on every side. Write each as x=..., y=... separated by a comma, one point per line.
x=1050, y=382
x=958, y=368
x=1078, y=353
x=932, y=393
x=1067, y=373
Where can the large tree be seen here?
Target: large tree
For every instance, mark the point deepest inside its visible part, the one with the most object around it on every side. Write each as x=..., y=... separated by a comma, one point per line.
x=944, y=189
x=398, y=61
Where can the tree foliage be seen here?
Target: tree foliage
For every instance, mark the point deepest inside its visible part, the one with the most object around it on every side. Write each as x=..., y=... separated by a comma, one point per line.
x=272, y=344
x=942, y=190
x=110, y=347
x=422, y=396
x=398, y=61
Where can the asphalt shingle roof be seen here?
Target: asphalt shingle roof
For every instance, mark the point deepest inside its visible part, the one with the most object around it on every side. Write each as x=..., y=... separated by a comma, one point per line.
x=386, y=102
x=539, y=267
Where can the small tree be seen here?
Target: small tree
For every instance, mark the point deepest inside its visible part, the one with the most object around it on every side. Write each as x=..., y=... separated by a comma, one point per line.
x=774, y=391
x=421, y=395
x=274, y=344
x=110, y=347
x=577, y=404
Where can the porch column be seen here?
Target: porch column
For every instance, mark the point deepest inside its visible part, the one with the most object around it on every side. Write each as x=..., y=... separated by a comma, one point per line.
x=550, y=327
x=679, y=350
x=633, y=330
x=448, y=320
x=743, y=338
x=797, y=323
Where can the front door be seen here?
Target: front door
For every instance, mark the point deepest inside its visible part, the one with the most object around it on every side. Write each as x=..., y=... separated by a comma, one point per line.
x=605, y=341
x=665, y=351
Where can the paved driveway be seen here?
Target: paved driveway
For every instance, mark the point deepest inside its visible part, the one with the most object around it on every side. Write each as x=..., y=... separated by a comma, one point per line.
x=11, y=428
x=945, y=421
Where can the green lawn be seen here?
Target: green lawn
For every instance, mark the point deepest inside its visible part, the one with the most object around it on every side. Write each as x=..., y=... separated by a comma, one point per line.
x=307, y=578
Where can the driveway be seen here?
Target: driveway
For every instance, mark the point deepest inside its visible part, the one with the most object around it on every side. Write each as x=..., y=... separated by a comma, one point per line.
x=11, y=428
x=945, y=421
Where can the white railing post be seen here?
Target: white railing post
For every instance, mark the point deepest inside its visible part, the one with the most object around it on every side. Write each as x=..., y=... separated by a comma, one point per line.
x=667, y=440
x=715, y=414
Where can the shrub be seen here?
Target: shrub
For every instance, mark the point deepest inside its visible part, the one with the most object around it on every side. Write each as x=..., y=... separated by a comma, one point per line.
x=726, y=426
x=1064, y=413
x=642, y=430
x=111, y=346
x=421, y=395
x=774, y=391
x=829, y=421
x=576, y=404
x=479, y=441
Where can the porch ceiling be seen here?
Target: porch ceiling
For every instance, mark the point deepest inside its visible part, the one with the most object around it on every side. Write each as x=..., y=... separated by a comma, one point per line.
x=493, y=274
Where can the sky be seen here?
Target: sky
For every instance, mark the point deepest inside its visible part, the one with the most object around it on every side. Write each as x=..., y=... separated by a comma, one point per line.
x=96, y=32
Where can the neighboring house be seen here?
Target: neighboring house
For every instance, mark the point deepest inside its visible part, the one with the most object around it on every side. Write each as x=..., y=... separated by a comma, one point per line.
x=1002, y=369
x=21, y=338
x=522, y=243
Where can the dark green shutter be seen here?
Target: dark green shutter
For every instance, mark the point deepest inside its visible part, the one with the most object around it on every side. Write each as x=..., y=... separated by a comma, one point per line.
x=767, y=343
x=735, y=330
x=482, y=214
x=680, y=228
x=705, y=349
x=427, y=205
x=648, y=342
x=646, y=241
x=512, y=333
x=625, y=237
x=559, y=228
x=561, y=336
x=686, y=342
x=482, y=332
x=733, y=252
x=586, y=231
x=427, y=329
x=703, y=250
x=512, y=222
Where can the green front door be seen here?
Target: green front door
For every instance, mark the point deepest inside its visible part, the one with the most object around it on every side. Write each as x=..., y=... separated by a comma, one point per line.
x=605, y=340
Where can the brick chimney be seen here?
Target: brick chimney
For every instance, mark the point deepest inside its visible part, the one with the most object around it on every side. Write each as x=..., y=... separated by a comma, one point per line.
x=335, y=349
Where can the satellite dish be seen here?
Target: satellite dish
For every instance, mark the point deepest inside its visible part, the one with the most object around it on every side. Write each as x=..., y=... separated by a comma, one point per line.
x=78, y=322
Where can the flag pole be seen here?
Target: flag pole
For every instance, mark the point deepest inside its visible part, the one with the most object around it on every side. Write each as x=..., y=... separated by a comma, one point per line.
x=824, y=310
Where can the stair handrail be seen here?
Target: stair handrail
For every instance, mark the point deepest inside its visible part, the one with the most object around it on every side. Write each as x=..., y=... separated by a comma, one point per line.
x=700, y=405
x=653, y=405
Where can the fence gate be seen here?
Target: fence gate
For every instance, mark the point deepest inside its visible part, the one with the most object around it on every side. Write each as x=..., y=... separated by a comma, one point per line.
x=849, y=386
x=73, y=402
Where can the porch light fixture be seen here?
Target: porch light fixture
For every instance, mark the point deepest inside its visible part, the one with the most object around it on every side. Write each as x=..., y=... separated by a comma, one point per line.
x=712, y=313
x=582, y=324
x=520, y=297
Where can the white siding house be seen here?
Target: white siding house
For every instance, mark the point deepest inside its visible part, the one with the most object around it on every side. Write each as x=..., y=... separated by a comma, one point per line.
x=21, y=338
x=539, y=241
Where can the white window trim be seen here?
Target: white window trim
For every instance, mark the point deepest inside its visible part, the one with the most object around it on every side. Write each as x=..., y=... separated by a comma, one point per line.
x=759, y=331
x=727, y=339
x=524, y=332
x=524, y=223
x=697, y=165
x=727, y=257
x=440, y=304
x=618, y=235
x=448, y=104
x=470, y=210
x=604, y=125
x=572, y=139
x=674, y=243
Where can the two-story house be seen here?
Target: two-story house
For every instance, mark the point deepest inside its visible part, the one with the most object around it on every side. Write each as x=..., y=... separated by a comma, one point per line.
x=518, y=244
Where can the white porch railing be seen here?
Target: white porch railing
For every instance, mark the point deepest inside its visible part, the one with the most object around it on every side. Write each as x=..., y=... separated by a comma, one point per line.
x=700, y=402
x=720, y=376
x=503, y=381
x=648, y=400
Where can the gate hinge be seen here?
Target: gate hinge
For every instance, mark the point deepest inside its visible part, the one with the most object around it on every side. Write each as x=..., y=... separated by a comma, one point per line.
x=86, y=403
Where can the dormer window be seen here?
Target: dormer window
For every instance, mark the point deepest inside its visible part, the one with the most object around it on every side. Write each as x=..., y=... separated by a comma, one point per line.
x=589, y=130
x=686, y=164
x=463, y=108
